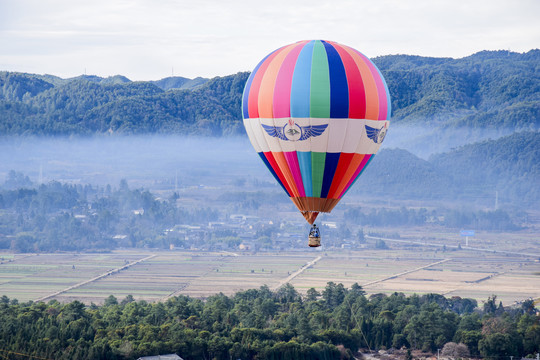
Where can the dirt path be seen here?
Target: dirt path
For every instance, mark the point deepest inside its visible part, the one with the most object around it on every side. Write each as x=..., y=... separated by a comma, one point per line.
x=296, y=273
x=405, y=273
x=11, y=261
x=110, y=272
x=455, y=246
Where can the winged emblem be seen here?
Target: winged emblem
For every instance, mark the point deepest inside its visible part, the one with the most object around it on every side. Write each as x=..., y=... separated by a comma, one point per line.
x=294, y=132
x=377, y=135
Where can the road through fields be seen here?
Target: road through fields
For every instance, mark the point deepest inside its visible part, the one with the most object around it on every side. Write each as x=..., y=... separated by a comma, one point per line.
x=110, y=272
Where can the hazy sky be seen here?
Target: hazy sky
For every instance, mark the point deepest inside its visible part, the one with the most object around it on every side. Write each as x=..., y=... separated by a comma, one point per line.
x=150, y=40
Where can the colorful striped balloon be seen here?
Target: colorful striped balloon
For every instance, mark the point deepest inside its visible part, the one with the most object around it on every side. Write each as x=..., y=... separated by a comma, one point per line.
x=316, y=112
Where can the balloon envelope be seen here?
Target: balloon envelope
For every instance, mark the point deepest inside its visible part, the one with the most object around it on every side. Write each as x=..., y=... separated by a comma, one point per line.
x=316, y=112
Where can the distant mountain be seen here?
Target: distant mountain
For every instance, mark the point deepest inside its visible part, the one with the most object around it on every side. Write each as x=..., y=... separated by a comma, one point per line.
x=509, y=165
x=491, y=91
x=400, y=174
x=86, y=105
x=178, y=82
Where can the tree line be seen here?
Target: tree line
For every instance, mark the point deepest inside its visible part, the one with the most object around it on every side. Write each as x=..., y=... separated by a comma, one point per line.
x=490, y=220
x=497, y=90
x=263, y=324
x=29, y=104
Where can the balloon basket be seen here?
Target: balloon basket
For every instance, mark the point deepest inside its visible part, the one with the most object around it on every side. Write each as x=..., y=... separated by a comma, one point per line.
x=314, y=241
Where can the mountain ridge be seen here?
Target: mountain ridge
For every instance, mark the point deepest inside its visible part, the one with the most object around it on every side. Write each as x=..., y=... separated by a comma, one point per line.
x=497, y=91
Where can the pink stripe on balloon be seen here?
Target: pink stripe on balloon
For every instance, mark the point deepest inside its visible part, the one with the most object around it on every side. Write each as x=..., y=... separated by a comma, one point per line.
x=381, y=90
x=268, y=83
x=356, y=173
x=282, y=88
x=292, y=160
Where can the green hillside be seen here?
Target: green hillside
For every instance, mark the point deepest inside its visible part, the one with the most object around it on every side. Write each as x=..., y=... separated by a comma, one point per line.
x=89, y=105
x=495, y=90
x=509, y=165
x=490, y=89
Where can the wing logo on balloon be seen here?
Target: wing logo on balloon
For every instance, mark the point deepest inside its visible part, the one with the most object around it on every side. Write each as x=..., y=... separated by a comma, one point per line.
x=293, y=132
x=377, y=135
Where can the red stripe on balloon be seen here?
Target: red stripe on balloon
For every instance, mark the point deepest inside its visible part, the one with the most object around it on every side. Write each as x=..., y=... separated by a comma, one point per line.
x=381, y=91
x=253, y=99
x=341, y=169
x=369, y=83
x=356, y=173
x=272, y=161
x=356, y=161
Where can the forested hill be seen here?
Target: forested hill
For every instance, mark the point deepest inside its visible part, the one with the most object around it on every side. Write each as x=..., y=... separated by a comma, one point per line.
x=509, y=166
x=490, y=89
x=31, y=104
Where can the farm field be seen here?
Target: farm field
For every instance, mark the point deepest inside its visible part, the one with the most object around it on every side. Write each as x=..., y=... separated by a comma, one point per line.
x=30, y=276
x=157, y=275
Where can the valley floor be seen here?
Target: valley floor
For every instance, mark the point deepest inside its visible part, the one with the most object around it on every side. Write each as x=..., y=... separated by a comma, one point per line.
x=157, y=275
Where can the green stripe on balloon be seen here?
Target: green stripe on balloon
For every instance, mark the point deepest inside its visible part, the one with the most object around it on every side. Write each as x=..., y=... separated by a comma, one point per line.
x=320, y=83
x=317, y=170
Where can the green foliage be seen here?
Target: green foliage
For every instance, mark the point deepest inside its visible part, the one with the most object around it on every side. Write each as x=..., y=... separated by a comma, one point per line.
x=488, y=90
x=58, y=216
x=30, y=104
x=261, y=324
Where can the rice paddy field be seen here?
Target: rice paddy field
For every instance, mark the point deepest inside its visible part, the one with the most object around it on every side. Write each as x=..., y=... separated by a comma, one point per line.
x=158, y=275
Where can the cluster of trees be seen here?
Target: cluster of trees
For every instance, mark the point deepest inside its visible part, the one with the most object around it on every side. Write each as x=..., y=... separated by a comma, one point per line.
x=66, y=217
x=490, y=89
x=264, y=324
x=491, y=220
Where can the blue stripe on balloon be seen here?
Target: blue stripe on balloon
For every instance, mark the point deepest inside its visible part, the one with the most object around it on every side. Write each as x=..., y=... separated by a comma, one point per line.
x=261, y=154
x=339, y=89
x=301, y=83
x=304, y=160
x=330, y=165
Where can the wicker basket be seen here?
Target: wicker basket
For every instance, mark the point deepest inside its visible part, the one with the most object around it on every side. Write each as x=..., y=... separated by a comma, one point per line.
x=314, y=241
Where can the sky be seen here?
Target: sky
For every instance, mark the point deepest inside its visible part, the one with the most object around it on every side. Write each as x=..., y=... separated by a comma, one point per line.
x=151, y=40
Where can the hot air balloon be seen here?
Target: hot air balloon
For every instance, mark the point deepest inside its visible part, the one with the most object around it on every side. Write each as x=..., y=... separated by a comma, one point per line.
x=316, y=112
